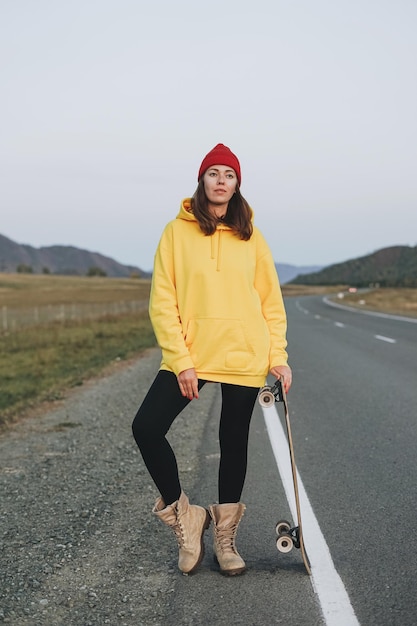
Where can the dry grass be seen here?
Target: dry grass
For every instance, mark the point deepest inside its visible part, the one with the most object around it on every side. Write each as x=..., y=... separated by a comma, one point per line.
x=289, y=291
x=395, y=301
x=40, y=361
x=24, y=290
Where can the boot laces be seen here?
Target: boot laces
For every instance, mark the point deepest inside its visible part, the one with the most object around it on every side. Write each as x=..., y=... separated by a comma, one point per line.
x=226, y=538
x=179, y=533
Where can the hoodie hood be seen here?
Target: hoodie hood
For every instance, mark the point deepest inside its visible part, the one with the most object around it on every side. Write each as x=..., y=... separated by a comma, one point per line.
x=185, y=213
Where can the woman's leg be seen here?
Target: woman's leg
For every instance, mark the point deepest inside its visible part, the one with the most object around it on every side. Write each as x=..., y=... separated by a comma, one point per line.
x=159, y=409
x=237, y=408
x=236, y=413
x=154, y=418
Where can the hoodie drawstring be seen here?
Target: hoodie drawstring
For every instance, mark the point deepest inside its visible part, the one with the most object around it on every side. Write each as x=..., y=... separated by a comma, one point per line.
x=219, y=251
x=219, y=248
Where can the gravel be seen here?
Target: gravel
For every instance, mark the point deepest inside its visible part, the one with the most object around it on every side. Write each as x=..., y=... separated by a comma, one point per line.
x=79, y=545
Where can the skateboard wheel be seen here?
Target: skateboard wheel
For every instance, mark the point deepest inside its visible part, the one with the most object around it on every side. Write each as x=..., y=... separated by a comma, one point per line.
x=266, y=398
x=285, y=543
x=282, y=526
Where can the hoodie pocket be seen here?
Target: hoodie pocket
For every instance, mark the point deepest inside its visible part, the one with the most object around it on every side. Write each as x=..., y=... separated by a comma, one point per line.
x=219, y=345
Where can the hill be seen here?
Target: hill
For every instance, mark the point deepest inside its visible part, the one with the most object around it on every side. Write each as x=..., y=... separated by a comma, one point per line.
x=67, y=260
x=390, y=267
x=287, y=272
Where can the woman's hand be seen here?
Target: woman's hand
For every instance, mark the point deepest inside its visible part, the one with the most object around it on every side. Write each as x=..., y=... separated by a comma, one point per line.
x=284, y=373
x=188, y=383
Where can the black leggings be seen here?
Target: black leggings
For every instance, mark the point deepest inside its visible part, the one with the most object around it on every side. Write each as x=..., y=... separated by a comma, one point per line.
x=155, y=416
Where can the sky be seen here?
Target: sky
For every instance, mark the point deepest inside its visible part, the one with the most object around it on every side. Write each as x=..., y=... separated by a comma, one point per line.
x=109, y=106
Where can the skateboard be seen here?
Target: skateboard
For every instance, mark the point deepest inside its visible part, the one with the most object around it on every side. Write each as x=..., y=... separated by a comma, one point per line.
x=288, y=536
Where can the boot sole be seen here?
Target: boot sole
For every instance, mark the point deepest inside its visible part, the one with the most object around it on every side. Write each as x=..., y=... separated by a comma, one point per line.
x=202, y=550
x=233, y=572
x=229, y=572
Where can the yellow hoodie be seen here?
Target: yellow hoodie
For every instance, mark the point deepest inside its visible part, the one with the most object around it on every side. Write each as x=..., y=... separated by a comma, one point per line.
x=216, y=303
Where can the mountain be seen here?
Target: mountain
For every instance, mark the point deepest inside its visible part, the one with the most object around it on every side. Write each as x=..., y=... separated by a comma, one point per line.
x=59, y=260
x=390, y=267
x=287, y=273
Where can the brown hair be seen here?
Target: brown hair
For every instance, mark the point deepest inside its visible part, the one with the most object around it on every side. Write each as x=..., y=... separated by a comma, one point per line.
x=238, y=215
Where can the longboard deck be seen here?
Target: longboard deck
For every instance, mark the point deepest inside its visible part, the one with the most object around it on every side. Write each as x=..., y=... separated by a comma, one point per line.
x=267, y=397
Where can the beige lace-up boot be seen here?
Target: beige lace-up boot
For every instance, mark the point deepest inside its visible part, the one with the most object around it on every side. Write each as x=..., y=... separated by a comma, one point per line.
x=188, y=521
x=226, y=518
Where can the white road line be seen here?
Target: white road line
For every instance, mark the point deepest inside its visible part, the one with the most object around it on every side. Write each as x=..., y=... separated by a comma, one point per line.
x=339, y=324
x=387, y=339
x=301, y=308
x=327, y=584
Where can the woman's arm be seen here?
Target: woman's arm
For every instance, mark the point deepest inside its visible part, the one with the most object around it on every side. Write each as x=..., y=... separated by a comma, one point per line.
x=163, y=308
x=269, y=289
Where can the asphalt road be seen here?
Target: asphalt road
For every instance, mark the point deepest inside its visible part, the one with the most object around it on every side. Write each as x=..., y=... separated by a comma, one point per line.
x=79, y=545
x=353, y=408
x=354, y=405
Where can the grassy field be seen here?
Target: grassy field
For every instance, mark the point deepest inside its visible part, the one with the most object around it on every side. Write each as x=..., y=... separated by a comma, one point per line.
x=395, y=301
x=26, y=290
x=40, y=361
x=292, y=291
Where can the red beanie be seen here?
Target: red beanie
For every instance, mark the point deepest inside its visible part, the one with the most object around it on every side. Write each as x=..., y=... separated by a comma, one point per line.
x=220, y=155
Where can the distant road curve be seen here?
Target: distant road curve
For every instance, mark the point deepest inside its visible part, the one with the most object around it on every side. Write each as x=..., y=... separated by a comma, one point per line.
x=402, y=318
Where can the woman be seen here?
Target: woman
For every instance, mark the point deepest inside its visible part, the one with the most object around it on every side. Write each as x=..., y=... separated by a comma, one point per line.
x=218, y=315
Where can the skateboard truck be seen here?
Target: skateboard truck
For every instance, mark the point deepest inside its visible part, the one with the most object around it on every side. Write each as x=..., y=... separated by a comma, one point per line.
x=270, y=394
x=288, y=536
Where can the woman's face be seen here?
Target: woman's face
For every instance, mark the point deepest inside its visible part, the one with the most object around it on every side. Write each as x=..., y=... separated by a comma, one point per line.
x=220, y=182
